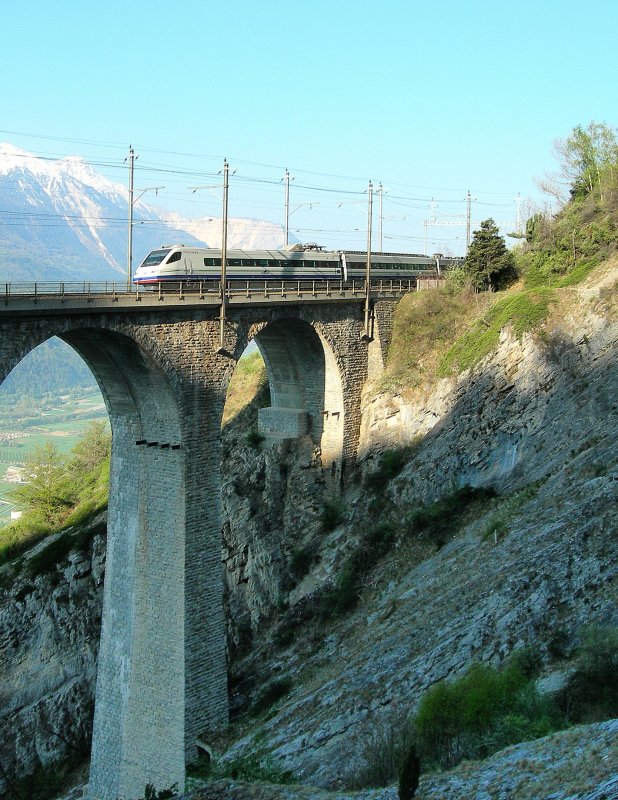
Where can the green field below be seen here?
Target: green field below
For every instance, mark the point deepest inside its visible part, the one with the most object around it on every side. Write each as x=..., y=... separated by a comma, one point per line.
x=34, y=422
x=6, y=506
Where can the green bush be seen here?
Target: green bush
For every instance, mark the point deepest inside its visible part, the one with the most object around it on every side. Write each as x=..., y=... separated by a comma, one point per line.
x=439, y=520
x=592, y=692
x=62, y=492
x=46, y=782
x=481, y=712
x=50, y=556
x=579, y=272
x=409, y=774
x=333, y=513
x=301, y=559
x=256, y=766
x=254, y=438
x=20, y=536
x=390, y=465
x=150, y=793
x=343, y=596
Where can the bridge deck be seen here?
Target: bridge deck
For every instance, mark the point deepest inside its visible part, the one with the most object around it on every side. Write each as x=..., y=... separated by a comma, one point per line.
x=84, y=297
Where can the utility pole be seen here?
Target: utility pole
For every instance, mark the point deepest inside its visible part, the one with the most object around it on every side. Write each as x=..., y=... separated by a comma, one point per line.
x=367, y=333
x=223, y=258
x=468, y=218
x=287, y=206
x=518, y=217
x=381, y=191
x=131, y=160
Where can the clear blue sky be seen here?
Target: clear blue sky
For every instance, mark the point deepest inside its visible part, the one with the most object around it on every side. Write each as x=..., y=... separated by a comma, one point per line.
x=432, y=99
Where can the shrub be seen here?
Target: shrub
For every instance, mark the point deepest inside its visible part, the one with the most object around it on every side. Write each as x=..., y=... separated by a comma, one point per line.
x=333, y=513
x=150, y=793
x=440, y=519
x=301, y=559
x=592, y=692
x=524, y=311
x=343, y=596
x=273, y=692
x=382, y=752
x=252, y=766
x=62, y=492
x=20, y=536
x=254, y=438
x=481, y=712
x=390, y=465
x=409, y=774
x=46, y=782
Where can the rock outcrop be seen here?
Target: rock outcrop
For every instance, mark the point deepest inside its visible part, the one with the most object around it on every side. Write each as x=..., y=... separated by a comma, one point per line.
x=50, y=619
x=537, y=421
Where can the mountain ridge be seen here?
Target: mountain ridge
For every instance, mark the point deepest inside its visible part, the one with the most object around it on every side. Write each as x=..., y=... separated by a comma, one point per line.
x=60, y=219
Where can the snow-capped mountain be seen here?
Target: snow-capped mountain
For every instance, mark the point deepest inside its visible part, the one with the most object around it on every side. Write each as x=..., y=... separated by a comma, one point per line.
x=62, y=220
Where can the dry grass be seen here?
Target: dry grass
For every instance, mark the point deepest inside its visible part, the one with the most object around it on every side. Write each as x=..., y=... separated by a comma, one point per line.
x=248, y=378
x=426, y=325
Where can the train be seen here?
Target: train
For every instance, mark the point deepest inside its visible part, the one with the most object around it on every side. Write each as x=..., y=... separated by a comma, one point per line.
x=179, y=263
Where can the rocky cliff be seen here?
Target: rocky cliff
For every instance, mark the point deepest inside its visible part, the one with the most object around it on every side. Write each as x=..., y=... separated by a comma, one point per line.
x=536, y=421
x=50, y=617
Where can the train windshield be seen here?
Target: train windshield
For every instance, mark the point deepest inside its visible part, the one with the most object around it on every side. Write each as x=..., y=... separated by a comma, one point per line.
x=154, y=258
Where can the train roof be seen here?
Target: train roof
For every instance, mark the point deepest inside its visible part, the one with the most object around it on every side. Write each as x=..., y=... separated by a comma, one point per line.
x=310, y=253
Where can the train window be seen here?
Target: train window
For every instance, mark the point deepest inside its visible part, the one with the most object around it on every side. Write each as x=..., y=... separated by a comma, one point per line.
x=212, y=262
x=234, y=262
x=174, y=257
x=261, y=262
x=154, y=258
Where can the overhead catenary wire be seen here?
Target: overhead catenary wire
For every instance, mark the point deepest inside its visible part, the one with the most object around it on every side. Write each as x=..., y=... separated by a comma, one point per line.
x=269, y=188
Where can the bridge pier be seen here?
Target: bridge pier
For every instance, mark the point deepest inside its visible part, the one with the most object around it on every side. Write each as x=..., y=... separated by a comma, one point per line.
x=162, y=677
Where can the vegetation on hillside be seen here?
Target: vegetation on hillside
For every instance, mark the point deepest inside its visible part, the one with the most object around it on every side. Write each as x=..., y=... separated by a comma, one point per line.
x=488, y=708
x=489, y=265
x=447, y=331
x=52, y=368
x=248, y=380
x=561, y=249
x=60, y=491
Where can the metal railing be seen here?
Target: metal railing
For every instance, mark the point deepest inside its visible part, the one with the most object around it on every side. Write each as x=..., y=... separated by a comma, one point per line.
x=89, y=291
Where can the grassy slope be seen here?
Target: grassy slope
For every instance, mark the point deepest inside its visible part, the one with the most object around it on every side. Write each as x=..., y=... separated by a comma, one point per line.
x=248, y=379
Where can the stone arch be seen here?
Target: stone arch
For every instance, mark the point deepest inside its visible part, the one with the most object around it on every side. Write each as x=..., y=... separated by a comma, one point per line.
x=142, y=730
x=305, y=385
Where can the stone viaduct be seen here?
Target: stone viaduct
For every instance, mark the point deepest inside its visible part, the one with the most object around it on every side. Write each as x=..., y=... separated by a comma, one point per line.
x=161, y=681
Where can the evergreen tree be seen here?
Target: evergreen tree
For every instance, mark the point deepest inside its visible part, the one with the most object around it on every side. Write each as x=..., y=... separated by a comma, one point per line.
x=489, y=265
x=48, y=493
